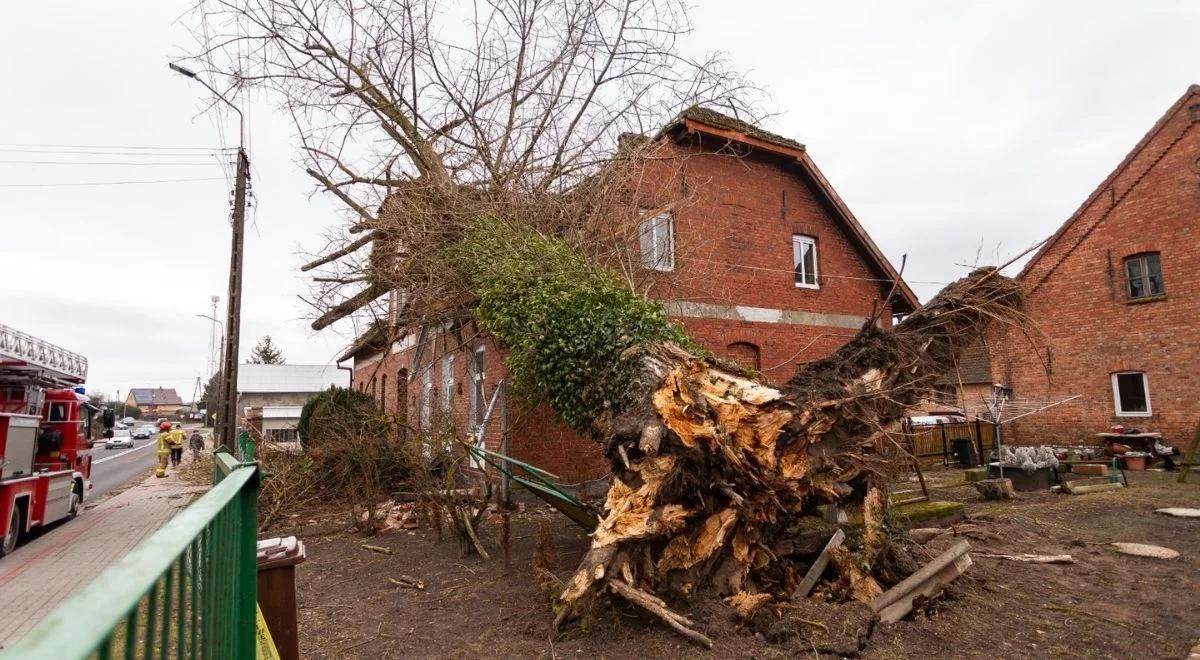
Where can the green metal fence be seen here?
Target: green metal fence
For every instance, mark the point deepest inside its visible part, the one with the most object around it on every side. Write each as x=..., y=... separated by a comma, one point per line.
x=188, y=591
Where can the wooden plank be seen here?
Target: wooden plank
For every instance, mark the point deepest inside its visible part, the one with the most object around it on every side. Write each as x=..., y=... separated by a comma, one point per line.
x=1094, y=488
x=818, y=567
x=895, y=603
x=900, y=609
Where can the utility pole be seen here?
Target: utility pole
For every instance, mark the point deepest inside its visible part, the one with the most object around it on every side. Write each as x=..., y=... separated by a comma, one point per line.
x=233, y=320
x=227, y=419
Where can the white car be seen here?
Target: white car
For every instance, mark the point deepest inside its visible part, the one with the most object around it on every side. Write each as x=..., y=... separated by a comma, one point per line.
x=129, y=421
x=144, y=432
x=121, y=438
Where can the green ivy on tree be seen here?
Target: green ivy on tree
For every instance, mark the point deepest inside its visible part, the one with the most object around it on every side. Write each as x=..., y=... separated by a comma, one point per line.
x=573, y=329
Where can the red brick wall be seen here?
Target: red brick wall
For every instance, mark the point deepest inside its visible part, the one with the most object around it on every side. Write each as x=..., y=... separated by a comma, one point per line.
x=733, y=234
x=535, y=436
x=733, y=247
x=1077, y=298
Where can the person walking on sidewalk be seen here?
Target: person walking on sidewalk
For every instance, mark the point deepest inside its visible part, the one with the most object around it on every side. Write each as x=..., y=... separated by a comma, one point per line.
x=164, y=449
x=196, y=444
x=177, y=439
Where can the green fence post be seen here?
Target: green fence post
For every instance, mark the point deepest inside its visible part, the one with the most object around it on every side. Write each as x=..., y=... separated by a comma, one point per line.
x=247, y=549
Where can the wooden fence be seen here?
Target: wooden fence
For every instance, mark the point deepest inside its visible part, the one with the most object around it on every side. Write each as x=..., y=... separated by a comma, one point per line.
x=931, y=441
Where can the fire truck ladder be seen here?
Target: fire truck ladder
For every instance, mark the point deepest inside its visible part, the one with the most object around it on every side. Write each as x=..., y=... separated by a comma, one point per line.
x=26, y=355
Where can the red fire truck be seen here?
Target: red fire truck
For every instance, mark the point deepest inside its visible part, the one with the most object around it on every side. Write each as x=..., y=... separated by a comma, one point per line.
x=45, y=434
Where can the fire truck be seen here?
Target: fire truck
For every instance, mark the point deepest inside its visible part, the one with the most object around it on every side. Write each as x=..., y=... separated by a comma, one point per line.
x=45, y=434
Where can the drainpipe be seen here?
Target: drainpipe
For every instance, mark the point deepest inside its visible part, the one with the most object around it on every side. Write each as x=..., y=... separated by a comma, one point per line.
x=338, y=364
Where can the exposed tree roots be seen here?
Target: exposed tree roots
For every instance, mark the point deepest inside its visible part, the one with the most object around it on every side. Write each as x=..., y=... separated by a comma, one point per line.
x=715, y=472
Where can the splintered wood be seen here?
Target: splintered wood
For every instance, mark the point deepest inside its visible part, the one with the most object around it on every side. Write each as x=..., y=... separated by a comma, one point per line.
x=718, y=479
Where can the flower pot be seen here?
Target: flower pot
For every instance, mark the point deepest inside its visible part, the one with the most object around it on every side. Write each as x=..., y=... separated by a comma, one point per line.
x=1134, y=463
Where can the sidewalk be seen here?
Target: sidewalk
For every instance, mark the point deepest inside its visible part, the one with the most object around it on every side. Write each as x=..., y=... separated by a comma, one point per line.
x=44, y=572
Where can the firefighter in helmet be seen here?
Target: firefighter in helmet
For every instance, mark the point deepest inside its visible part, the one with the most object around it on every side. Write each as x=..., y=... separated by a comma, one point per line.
x=177, y=439
x=164, y=449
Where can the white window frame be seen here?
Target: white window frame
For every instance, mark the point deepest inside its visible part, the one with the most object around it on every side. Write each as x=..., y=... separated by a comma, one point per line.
x=447, y=383
x=478, y=377
x=799, y=240
x=427, y=397
x=1117, y=395
x=477, y=402
x=656, y=238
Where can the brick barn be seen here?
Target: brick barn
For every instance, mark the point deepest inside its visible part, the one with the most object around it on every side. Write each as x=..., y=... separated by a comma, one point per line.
x=763, y=263
x=1116, y=295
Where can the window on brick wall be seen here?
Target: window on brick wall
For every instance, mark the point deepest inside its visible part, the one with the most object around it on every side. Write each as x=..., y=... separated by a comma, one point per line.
x=478, y=391
x=477, y=402
x=1131, y=394
x=401, y=393
x=1143, y=275
x=804, y=260
x=447, y=384
x=657, y=237
x=383, y=393
x=426, y=396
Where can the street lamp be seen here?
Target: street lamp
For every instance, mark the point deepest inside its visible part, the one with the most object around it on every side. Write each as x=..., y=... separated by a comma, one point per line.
x=222, y=342
x=232, y=327
x=241, y=118
x=218, y=395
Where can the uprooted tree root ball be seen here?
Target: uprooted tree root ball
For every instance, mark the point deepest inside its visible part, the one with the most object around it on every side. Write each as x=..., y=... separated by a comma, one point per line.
x=715, y=473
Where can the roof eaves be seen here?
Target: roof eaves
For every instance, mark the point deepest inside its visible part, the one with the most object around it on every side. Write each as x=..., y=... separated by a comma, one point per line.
x=375, y=337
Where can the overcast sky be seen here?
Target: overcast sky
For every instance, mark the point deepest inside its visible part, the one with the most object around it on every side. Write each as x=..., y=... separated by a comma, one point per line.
x=950, y=129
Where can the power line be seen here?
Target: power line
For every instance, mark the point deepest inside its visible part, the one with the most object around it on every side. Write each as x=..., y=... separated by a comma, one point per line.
x=105, y=163
x=108, y=146
x=819, y=273
x=153, y=154
x=105, y=183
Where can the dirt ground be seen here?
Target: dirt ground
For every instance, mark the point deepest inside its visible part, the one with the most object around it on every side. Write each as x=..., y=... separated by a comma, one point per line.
x=1107, y=605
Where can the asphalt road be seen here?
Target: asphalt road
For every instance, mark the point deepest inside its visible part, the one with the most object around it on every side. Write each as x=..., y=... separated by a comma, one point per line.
x=113, y=468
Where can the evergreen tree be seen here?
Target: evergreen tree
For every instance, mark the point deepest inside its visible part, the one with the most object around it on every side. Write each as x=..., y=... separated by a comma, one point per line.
x=266, y=352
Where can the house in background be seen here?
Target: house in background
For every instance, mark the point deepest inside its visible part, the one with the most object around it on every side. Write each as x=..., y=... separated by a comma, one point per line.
x=966, y=390
x=155, y=401
x=763, y=264
x=1115, y=294
x=270, y=396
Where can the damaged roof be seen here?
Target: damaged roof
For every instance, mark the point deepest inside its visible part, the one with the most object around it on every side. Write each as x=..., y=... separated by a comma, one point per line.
x=710, y=117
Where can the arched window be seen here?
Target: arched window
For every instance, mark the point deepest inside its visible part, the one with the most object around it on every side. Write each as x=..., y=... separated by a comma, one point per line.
x=745, y=354
x=383, y=393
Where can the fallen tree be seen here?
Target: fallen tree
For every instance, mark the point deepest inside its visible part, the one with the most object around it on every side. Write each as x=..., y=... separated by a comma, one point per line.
x=714, y=470
x=490, y=173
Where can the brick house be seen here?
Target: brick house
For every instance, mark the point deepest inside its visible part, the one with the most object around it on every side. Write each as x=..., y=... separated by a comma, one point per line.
x=1115, y=293
x=966, y=390
x=763, y=263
